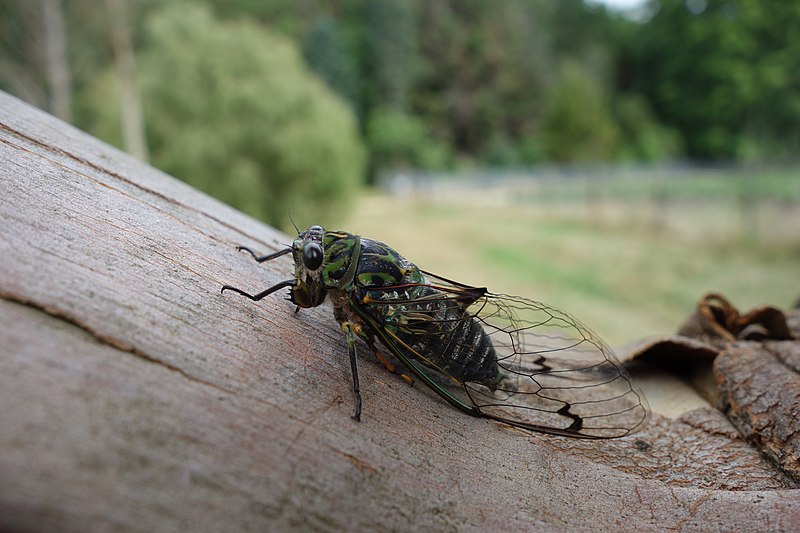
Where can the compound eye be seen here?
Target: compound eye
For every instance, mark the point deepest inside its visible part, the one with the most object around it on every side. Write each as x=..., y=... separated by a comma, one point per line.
x=316, y=229
x=312, y=255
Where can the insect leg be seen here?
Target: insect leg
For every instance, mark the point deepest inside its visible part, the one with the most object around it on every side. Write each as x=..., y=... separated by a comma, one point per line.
x=260, y=295
x=385, y=362
x=348, y=327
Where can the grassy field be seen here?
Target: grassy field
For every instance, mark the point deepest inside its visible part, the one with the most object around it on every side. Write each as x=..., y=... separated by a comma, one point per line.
x=626, y=265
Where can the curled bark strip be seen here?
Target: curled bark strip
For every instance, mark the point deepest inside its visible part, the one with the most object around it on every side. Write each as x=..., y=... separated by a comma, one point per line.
x=760, y=394
x=756, y=384
x=669, y=349
x=715, y=324
x=718, y=322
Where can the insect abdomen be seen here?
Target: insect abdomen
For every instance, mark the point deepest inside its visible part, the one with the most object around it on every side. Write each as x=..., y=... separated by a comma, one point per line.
x=453, y=340
x=435, y=326
x=470, y=354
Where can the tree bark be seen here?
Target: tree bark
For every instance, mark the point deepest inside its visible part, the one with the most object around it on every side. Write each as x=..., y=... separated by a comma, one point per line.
x=136, y=397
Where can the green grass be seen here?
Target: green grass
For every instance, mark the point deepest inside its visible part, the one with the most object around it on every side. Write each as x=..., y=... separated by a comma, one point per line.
x=626, y=268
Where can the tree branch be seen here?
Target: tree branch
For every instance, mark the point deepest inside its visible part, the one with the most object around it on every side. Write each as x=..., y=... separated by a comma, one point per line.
x=137, y=397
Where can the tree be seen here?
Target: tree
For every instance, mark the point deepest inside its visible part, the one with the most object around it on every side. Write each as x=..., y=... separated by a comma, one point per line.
x=328, y=56
x=399, y=140
x=130, y=102
x=59, y=75
x=242, y=118
x=579, y=125
x=642, y=137
x=723, y=73
x=34, y=59
x=390, y=50
x=484, y=72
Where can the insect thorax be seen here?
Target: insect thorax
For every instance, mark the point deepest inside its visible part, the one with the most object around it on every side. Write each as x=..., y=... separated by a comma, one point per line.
x=354, y=262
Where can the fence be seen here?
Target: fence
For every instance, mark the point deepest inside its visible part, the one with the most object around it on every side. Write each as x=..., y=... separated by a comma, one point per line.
x=757, y=203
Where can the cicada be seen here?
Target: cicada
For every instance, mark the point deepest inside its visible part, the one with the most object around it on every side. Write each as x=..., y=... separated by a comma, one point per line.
x=490, y=355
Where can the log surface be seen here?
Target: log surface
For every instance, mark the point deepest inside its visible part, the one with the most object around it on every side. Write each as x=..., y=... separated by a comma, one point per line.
x=136, y=397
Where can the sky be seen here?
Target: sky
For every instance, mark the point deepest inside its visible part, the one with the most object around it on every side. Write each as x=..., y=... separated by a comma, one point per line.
x=620, y=4
x=636, y=10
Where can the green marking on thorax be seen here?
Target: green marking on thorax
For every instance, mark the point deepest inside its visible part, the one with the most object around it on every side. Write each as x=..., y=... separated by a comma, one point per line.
x=346, y=248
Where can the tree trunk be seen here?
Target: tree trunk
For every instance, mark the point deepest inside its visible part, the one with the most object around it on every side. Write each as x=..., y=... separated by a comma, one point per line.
x=133, y=132
x=135, y=396
x=59, y=74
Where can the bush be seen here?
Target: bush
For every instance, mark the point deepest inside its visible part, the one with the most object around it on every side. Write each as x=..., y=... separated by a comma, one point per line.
x=399, y=140
x=579, y=126
x=231, y=109
x=643, y=138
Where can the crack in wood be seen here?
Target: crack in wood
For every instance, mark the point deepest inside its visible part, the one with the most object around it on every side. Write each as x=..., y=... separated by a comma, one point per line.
x=105, y=339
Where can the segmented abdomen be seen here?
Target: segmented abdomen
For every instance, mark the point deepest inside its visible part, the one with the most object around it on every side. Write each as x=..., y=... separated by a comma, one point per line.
x=465, y=351
x=444, y=335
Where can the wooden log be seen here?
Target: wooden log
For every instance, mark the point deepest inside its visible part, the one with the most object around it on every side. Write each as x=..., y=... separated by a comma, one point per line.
x=136, y=397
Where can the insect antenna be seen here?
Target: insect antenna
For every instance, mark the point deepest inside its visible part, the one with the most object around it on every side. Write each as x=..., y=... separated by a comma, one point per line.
x=292, y=221
x=263, y=258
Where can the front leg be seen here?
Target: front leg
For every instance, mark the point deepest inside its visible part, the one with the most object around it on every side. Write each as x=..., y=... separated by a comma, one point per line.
x=262, y=294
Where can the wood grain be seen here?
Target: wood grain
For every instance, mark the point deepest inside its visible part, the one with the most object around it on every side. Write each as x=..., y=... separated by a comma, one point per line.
x=136, y=397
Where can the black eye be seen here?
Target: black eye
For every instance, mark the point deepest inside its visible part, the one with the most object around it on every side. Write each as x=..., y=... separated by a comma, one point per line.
x=312, y=255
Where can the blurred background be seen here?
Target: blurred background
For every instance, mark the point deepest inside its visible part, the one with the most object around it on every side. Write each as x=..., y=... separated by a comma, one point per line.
x=613, y=159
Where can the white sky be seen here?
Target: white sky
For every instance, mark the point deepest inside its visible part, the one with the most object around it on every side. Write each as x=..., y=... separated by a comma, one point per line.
x=620, y=4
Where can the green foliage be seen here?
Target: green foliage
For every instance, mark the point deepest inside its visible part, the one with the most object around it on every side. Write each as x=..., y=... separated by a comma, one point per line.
x=725, y=76
x=328, y=56
x=501, y=152
x=397, y=139
x=432, y=84
x=97, y=108
x=484, y=72
x=643, y=137
x=579, y=125
x=242, y=119
x=389, y=48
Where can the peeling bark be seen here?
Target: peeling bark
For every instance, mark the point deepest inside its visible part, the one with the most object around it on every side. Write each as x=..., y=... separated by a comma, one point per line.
x=761, y=395
x=136, y=397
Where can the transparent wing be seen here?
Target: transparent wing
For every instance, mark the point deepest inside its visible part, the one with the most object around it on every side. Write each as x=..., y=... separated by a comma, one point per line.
x=506, y=357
